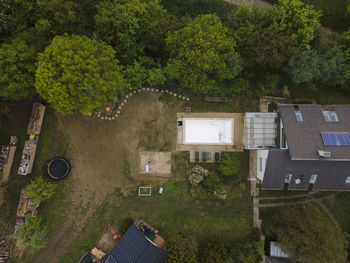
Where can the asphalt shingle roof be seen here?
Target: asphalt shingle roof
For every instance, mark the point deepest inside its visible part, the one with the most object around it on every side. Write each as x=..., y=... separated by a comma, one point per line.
x=331, y=175
x=304, y=138
x=134, y=247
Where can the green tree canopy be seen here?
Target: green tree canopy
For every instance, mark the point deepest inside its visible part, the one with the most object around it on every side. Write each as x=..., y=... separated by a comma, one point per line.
x=76, y=73
x=134, y=27
x=32, y=234
x=213, y=252
x=304, y=66
x=295, y=19
x=229, y=165
x=180, y=250
x=156, y=22
x=257, y=41
x=117, y=25
x=40, y=189
x=200, y=53
x=247, y=250
x=17, y=65
x=308, y=66
x=310, y=234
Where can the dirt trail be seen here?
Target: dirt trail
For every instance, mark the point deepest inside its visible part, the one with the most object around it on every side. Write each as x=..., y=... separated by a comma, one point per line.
x=98, y=151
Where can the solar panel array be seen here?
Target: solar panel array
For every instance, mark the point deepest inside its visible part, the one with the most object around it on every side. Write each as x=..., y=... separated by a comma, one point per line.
x=335, y=138
x=111, y=259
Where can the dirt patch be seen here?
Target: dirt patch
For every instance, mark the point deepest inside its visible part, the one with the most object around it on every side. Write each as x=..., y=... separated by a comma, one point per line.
x=98, y=151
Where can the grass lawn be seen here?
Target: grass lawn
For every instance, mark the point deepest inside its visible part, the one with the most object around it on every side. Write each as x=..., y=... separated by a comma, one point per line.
x=334, y=12
x=173, y=212
x=339, y=206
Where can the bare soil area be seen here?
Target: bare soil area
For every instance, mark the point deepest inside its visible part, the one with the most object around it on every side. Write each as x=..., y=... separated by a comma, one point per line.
x=98, y=150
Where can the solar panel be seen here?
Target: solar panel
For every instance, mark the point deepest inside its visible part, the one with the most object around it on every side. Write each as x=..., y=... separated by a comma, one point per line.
x=110, y=259
x=340, y=138
x=326, y=140
x=347, y=139
x=335, y=139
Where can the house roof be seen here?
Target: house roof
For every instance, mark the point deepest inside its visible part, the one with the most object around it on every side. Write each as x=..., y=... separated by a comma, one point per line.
x=304, y=138
x=276, y=260
x=86, y=258
x=134, y=247
x=330, y=175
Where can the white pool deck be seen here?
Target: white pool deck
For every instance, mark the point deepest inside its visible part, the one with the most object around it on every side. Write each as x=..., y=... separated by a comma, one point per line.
x=210, y=140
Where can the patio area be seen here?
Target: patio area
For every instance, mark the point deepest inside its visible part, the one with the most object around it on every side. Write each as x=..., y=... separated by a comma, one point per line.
x=229, y=140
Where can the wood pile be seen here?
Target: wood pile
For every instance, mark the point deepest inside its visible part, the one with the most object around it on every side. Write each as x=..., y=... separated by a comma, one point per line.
x=4, y=251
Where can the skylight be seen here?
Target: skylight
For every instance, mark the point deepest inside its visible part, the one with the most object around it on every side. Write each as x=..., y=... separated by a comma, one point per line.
x=330, y=116
x=347, y=180
x=288, y=178
x=298, y=116
x=313, y=179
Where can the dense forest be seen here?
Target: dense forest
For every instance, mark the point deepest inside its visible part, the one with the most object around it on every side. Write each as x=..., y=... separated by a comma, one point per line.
x=79, y=55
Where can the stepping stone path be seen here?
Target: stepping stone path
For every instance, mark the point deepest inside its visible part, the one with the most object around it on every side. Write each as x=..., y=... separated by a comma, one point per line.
x=114, y=115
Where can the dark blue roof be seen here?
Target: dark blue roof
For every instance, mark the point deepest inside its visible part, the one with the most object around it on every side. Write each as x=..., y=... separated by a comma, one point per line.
x=135, y=248
x=86, y=258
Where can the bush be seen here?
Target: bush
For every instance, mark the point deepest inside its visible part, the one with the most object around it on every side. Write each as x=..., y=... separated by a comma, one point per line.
x=247, y=250
x=32, y=234
x=180, y=250
x=229, y=165
x=212, y=182
x=196, y=175
x=214, y=252
x=125, y=224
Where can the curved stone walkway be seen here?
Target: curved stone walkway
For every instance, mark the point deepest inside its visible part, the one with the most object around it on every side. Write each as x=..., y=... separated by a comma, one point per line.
x=119, y=106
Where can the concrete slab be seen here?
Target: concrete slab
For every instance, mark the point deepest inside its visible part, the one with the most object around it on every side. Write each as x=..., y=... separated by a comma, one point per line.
x=107, y=242
x=155, y=163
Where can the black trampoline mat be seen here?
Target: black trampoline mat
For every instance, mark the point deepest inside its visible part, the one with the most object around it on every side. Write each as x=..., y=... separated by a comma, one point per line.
x=58, y=168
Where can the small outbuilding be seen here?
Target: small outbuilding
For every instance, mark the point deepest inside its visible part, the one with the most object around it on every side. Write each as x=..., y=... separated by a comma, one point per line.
x=136, y=247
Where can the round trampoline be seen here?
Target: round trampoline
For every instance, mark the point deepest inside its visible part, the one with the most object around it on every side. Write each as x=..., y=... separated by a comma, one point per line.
x=57, y=168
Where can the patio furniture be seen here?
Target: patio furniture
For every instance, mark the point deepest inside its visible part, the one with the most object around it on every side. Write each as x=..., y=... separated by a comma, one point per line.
x=217, y=157
x=196, y=157
x=208, y=157
x=204, y=156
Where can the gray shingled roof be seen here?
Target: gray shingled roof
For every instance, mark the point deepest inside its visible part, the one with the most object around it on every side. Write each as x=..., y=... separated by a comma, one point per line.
x=134, y=247
x=304, y=138
x=330, y=175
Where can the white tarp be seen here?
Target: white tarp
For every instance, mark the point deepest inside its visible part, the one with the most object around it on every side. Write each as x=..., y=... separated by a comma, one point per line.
x=208, y=131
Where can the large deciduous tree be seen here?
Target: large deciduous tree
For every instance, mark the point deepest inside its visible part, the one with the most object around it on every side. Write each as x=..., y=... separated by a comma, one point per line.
x=40, y=189
x=76, y=73
x=17, y=65
x=134, y=27
x=310, y=234
x=257, y=41
x=296, y=19
x=308, y=66
x=117, y=25
x=201, y=53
